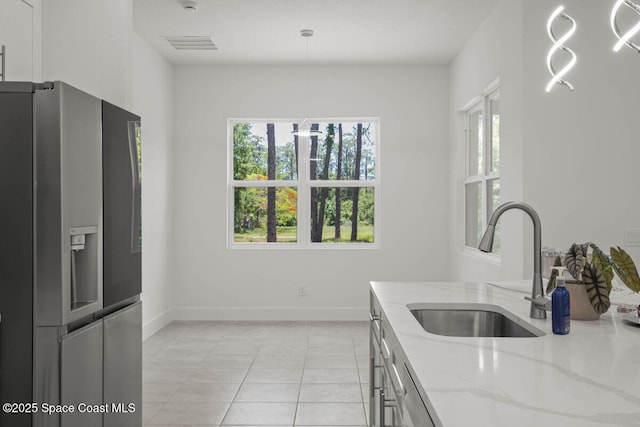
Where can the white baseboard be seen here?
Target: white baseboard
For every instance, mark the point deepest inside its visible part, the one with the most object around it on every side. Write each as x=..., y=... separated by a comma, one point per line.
x=157, y=323
x=272, y=313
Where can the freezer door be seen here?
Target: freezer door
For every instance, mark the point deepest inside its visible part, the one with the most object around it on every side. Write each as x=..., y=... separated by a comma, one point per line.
x=123, y=367
x=121, y=164
x=81, y=376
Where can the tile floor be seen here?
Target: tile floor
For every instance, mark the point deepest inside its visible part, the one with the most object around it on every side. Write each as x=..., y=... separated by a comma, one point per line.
x=257, y=374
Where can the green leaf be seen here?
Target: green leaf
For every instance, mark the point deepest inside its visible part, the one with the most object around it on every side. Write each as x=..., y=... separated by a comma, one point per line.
x=596, y=288
x=598, y=252
x=626, y=270
x=600, y=260
x=575, y=260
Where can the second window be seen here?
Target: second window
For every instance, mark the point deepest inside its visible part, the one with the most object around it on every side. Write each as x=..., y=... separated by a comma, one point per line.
x=482, y=167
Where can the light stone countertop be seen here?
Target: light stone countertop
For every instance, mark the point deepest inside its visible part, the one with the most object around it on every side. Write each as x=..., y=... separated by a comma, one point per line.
x=590, y=377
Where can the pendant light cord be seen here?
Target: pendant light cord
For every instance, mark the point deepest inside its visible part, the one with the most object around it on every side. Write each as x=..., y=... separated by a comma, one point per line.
x=306, y=34
x=301, y=132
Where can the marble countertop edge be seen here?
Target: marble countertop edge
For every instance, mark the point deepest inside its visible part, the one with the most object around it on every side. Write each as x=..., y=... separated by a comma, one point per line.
x=589, y=377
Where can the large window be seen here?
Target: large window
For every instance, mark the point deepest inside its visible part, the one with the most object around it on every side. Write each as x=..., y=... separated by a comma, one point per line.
x=482, y=166
x=300, y=191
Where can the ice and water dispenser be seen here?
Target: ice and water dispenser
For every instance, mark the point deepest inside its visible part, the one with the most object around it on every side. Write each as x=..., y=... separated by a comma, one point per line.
x=83, y=281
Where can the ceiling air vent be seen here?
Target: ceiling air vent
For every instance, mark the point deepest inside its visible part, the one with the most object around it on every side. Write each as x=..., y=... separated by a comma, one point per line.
x=191, y=43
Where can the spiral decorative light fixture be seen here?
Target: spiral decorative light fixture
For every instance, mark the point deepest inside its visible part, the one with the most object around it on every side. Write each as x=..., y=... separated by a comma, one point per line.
x=624, y=39
x=558, y=44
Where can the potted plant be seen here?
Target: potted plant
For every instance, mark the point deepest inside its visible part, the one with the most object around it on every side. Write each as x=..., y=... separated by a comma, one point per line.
x=592, y=271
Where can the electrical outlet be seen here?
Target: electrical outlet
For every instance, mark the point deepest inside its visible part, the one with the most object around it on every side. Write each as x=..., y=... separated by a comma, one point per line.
x=302, y=291
x=632, y=237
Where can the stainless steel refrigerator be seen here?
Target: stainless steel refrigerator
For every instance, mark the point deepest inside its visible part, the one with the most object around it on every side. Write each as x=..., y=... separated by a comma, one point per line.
x=70, y=259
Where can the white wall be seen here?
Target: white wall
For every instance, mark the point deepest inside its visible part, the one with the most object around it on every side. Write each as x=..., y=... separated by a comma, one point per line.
x=213, y=282
x=571, y=155
x=153, y=99
x=582, y=148
x=494, y=52
x=86, y=44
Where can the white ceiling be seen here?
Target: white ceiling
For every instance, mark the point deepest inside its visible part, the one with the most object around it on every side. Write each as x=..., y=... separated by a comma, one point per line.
x=346, y=31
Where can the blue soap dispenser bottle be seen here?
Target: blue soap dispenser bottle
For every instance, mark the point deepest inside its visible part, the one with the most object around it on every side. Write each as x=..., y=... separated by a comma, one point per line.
x=560, y=309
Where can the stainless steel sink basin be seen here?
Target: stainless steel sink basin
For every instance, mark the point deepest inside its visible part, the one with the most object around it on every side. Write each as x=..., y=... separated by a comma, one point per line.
x=471, y=320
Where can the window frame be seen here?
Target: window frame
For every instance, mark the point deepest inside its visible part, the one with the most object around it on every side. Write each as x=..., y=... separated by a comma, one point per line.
x=303, y=183
x=480, y=103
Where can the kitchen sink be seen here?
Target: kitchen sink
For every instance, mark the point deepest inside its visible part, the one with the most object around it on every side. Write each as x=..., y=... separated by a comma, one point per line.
x=472, y=320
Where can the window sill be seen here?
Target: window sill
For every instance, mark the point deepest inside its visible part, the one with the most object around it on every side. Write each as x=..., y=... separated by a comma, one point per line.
x=299, y=246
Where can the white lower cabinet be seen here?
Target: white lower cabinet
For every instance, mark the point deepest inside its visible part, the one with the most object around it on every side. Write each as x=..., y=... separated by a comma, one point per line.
x=393, y=397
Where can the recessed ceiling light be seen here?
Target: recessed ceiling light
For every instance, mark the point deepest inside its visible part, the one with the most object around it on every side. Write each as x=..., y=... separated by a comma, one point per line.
x=189, y=5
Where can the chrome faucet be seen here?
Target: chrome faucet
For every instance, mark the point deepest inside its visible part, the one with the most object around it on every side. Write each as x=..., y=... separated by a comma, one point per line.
x=539, y=304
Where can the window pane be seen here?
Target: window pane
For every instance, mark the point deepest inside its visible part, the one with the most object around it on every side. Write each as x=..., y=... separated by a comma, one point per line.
x=493, y=200
x=475, y=143
x=494, y=105
x=334, y=219
x=473, y=213
x=265, y=214
x=264, y=151
x=344, y=151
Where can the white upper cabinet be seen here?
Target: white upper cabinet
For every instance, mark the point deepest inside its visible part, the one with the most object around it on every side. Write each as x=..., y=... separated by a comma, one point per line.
x=18, y=24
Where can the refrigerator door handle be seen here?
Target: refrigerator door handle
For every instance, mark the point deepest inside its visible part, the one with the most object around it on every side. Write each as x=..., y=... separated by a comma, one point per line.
x=134, y=157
